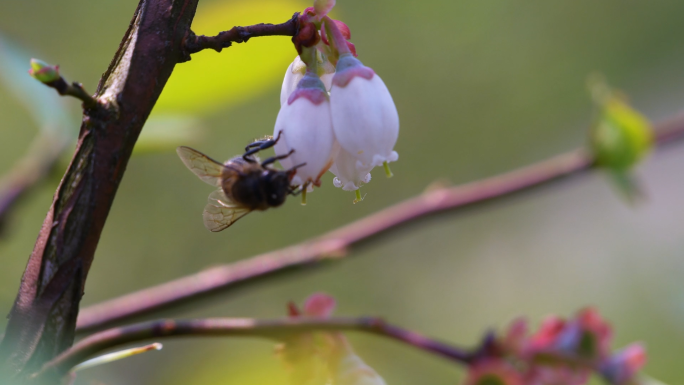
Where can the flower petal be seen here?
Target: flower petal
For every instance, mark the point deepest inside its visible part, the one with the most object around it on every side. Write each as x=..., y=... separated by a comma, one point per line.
x=365, y=119
x=306, y=128
x=349, y=172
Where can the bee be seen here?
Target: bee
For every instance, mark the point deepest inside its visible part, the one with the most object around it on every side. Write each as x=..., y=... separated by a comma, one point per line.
x=245, y=184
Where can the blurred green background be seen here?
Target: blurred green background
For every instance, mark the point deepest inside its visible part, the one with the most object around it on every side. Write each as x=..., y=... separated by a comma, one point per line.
x=481, y=87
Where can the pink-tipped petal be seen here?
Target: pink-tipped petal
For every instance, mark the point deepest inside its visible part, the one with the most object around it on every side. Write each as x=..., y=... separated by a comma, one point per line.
x=365, y=119
x=305, y=126
x=352, y=48
x=343, y=28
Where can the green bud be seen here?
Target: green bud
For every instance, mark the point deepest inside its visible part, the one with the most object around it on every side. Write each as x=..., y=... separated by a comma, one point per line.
x=43, y=71
x=621, y=137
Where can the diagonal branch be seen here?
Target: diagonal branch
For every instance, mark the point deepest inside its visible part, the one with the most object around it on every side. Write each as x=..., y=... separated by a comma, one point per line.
x=276, y=329
x=335, y=243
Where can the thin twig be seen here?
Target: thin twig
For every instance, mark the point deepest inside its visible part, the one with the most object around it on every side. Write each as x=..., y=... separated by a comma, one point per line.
x=334, y=244
x=276, y=329
x=225, y=39
x=74, y=89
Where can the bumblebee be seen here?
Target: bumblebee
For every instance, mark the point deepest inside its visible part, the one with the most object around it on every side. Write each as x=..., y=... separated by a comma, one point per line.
x=245, y=184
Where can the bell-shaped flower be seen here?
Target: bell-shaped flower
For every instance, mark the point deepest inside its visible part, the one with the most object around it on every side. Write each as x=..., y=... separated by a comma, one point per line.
x=304, y=124
x=295, y=73
x=349, y=172
x=364, y=116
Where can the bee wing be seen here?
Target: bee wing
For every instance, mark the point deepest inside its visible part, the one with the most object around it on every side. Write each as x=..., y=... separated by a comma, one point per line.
x=220, y=212
x=207, y=169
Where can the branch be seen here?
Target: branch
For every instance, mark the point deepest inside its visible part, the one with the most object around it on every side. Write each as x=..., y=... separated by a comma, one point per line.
x=42, y=321
x=76, y=90
x=36, y=165
x=277, y=329
x=335, y=243
x=193, y=43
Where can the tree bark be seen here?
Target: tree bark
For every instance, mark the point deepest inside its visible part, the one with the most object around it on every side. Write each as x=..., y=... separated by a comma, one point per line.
x=43, y=319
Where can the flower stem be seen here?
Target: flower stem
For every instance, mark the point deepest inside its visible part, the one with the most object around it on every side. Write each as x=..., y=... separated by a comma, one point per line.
x=310, y=57
x=337, y=37
x=388, y=172
x=304, y=187
x=359, y=198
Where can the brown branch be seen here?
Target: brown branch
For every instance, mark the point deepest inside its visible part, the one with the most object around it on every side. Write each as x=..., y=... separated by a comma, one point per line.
x=277, y=329
x=193, y=43
x=42, y=321
x=76, y=90
x=334, y=244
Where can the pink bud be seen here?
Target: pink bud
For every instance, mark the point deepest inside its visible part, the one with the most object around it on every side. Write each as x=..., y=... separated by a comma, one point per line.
x=344, y=29
x=319, y=305
x=514, y=339
x=621, y=368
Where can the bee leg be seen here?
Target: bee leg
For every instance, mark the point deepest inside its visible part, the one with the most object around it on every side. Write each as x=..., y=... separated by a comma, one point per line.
x=274, y=158
x=259, y=145
x=295, y=191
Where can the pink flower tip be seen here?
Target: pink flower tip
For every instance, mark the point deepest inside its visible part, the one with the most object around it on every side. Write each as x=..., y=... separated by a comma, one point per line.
x=621, y=367
x=516, y=334
x=587, y=336
x=319, y=305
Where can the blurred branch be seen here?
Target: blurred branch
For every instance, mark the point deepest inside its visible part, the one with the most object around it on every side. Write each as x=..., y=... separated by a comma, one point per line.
x=335, y=243
x=49, y=114
x=34, y=167
x=193, y=43
x=277, y=329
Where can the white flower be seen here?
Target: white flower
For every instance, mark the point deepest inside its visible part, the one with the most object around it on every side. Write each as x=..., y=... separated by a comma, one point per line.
x=295, y=72
x=349, y=172
x=364, y=116
x=304, y=124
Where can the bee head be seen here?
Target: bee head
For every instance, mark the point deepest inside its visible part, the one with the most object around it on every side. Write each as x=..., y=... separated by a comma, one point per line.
x=276, y=185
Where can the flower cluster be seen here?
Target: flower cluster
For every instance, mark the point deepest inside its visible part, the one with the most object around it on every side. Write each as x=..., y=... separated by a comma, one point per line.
x=336, y=114
x=561, y=352
x=324, y=357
